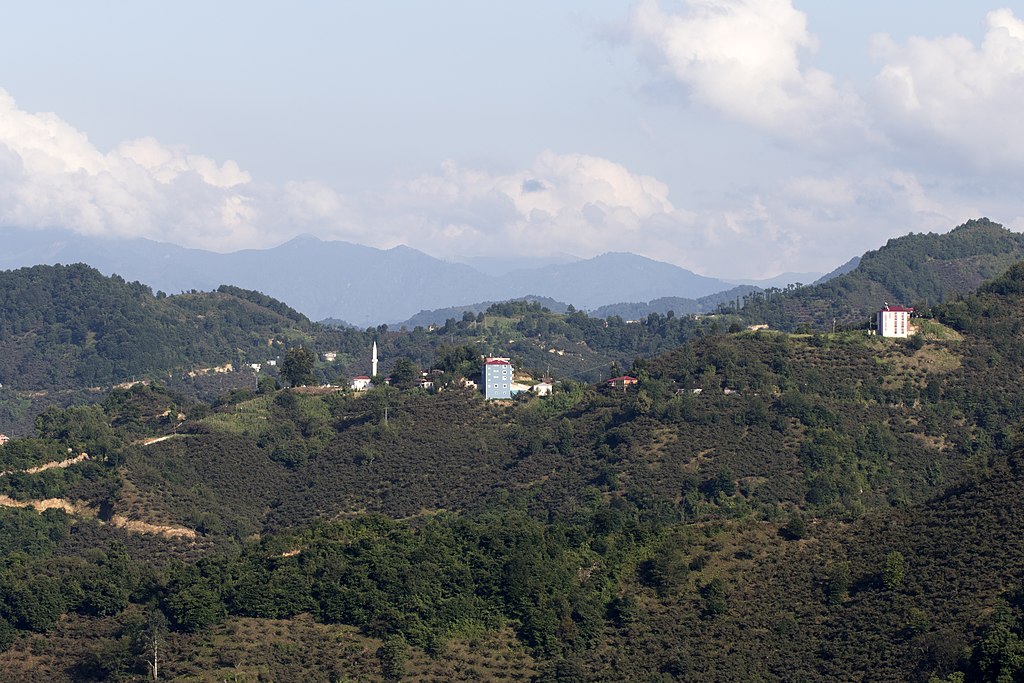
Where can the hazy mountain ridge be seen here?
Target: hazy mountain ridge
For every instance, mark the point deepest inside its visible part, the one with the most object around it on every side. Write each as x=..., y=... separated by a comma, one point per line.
x=361, y=285
x=841, y=270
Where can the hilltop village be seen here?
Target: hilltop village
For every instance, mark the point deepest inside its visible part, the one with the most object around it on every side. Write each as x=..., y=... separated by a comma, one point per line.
x=500, y=381
x=497, y=377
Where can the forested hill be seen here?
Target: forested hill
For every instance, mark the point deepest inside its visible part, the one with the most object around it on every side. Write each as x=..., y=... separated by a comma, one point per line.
x=825, y=507
x=67, y=330
x=71, y=327
x=916, y=269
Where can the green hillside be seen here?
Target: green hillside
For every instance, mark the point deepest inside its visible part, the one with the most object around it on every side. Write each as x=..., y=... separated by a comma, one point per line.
x=70, y=327
x=917, y=269
x=761, y=506
x=67, y=334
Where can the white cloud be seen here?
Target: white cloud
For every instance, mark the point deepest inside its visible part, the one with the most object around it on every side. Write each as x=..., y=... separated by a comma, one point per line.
x=743, y=58
x=586, y=205
x=948, y=92
x=166, y=163
x=814, y=222
x=565, y=202
x=52, y=176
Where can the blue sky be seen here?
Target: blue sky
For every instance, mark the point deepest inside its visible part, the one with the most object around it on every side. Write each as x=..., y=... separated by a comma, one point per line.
x=737, y=138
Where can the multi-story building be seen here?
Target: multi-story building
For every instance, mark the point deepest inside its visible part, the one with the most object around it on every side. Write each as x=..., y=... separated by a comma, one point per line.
x=894, y=321
x=498, y=378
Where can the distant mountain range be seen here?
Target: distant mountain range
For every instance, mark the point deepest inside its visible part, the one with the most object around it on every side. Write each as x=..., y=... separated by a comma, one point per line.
x=363, y=285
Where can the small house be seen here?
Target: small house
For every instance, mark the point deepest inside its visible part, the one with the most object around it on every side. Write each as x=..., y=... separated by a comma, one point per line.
x=360, y=383
x=623, y=382
x=4, y=439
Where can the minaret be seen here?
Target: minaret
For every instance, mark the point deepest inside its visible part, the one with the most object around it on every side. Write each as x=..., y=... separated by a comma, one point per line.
x=373, y=361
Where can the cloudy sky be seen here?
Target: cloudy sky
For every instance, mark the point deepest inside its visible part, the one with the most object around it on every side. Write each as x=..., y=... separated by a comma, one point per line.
x=737, y=138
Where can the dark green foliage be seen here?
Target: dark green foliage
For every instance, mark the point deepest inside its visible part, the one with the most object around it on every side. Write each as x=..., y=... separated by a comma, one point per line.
x=193, y=601
x=404, y=374
x=837, y=583
x=392, y=658
x=999, y=654
x=297, y=368
x=68, y=326
x=909, y=270
x=796, y=527
x=894, y=570
x=715, y=598
x=82, y=429
x=29, y=532
x=34, y=603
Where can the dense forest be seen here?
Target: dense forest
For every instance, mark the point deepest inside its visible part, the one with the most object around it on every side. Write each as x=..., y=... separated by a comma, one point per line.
x=761, y=505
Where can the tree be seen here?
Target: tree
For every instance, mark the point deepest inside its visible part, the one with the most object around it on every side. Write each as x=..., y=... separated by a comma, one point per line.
x=795, y=528
x=715, y=598
x=392, y=658
x=297, y=368
x=193, y=606
x=404, y=374
x=894, y=571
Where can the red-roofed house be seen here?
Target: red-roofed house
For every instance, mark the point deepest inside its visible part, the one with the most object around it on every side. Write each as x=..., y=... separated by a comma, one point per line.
x=360, y=383
x=623, y=382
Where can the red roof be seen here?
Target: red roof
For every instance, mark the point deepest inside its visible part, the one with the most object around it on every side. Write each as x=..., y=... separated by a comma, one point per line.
x=360, y=377
x=625, y=379
x=498, y=362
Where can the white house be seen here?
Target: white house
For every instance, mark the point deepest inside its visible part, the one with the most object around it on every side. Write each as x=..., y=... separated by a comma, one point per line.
x=543, y=388
x=360, y=383
x=894, y=321
x=4, y=439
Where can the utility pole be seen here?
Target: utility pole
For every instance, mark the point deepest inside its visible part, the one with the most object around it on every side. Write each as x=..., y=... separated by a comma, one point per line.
x=385, y=414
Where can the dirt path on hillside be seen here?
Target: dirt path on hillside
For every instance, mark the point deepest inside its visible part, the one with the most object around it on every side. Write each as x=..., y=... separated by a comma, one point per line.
x=58, y=464
x=80, y=509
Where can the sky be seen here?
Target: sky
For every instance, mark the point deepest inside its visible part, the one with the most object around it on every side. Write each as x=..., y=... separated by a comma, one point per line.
x=735, y=138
